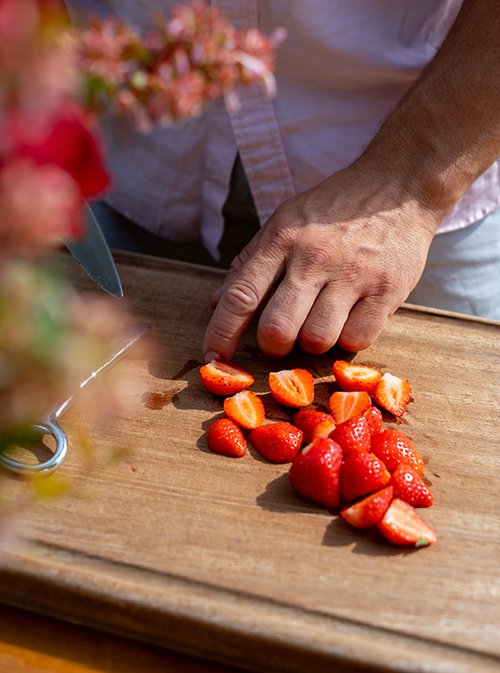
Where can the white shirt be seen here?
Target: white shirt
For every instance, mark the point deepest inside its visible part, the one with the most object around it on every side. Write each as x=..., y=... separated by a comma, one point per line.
x=343, y=68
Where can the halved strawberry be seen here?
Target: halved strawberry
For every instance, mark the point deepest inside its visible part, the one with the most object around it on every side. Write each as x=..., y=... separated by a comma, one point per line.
x=245, y=409
x=226, y=438
x=362, y=473
x=393, y=447
x=408, y=486
x=314, y=473
x=355, y=377
x=292, y=387
x=307, y=420
x=401, y=525
x=224, y=378
x=370, y=510
x=392, y=394
x=374, y=418
x=347, y=405
x=324, y=429
x=277, y=442
x=353, y=435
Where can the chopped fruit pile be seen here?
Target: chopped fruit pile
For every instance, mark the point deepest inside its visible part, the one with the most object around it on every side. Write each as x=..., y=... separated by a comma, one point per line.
x=344, y=460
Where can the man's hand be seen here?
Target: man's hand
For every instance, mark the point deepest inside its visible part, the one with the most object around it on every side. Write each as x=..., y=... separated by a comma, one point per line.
x=341, y=258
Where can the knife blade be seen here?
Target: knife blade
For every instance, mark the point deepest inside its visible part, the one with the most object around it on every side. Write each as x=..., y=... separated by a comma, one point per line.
x=94, y=256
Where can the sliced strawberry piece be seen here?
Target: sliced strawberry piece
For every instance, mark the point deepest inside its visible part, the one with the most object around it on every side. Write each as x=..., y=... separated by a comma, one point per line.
x=353, y=435
x=307, y=420
x=393, y=447
x=245, y=409
x=401, y=525
x=324, y=429
x=226, y=438
x=370, y=510
x=277, y=442
x=392, y=394
x=315, y=472
x=292, y=387
x=362, y=473
x=374, y=418
x=355, y=377
x=408, y=486
x=224, y=378
x=347, y=405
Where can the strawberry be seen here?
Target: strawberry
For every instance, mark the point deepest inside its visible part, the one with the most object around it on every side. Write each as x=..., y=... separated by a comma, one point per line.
x=374, y=418
x=324, y=429
x=307, y=420
x=370, y=510
x=353, y=435
x=401, y=525
x=392, y=394
x=355, y=377
x=277, y=442
x=362, y=473
x=226, y=438
x=223, y=378
x=347, y=405
x=315, y=472
x=292, y=387
x=245, y=409
x=408, y=486
x=393, y=448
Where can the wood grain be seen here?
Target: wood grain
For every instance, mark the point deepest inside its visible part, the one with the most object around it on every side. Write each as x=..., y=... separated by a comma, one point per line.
x=220, y=558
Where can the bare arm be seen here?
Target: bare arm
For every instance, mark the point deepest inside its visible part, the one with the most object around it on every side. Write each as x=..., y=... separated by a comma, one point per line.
x=343, y=256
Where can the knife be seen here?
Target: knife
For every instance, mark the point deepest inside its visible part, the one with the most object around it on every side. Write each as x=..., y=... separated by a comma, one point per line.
x=94, y=256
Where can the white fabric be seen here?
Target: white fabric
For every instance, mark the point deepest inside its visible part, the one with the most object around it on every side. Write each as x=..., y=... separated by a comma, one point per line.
x=343, y=68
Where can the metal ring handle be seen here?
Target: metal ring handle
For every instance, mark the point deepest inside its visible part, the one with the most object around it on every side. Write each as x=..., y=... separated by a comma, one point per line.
x=48, y=466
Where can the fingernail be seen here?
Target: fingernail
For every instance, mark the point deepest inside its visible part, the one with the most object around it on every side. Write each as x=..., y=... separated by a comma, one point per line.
x=211, y=355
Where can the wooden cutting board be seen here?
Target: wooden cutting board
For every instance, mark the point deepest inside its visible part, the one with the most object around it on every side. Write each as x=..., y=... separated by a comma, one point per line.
x=220, y=558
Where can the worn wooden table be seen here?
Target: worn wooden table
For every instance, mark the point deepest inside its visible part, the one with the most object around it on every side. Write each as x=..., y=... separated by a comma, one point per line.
x=219, y=558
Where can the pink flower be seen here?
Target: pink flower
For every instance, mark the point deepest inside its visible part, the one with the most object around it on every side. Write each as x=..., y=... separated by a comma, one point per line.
x=38, y=205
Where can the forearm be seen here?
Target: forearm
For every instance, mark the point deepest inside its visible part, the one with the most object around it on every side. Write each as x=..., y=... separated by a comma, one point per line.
x=446, y=130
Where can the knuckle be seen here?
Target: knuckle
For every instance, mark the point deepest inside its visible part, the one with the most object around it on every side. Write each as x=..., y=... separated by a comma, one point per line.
x=278, y=330
x=241, y=298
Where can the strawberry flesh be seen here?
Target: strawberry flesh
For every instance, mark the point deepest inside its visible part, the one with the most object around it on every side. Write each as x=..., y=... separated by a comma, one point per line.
x=245, y=409
x=224, y=378
x=307, y=420
x=352, y=377
x=401, y=525
x=292, y=387
x=393, y=394
x=370, y=510
x=345, y=405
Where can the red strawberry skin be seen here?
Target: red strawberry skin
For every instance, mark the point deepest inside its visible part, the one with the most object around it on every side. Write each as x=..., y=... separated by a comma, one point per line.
x=374, y=418
x=393, y=394
x=362, y=473
x=352, y=377
x=408, y=486
x=277, y=442
x=292, y=387
x=307, y=420
x=370, y=510
x=401, y=525
x=226, y=438
x=315, y=472
x=224, y=378
x=393, y=447
x=353, y=435
x=324, y=429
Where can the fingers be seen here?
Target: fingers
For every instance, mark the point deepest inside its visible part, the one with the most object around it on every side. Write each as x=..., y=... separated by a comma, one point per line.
x=365, y=322
x=236, y=265
x=239, y=299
